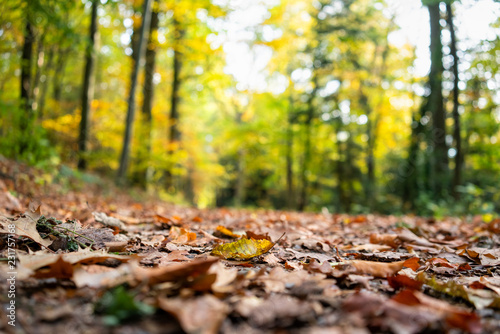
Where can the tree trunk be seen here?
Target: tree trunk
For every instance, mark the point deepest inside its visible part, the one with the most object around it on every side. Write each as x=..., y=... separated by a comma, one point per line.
x=290, y=198
x=127, y=138
x=174, y=133
x=26, y=63
x=239, y=197
x=88, y=89
x=303, y=196
x=45, y=84
x=59, y=72
x=40, y=58
x=436, y=106
x=340, y=170
x=457, y=173
x=370, y=147
x=148, y=93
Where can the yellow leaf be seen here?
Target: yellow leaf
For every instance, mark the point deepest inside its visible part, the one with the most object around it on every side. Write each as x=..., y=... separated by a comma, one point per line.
x=181, y=235
x=244, y=248
x=227, y=232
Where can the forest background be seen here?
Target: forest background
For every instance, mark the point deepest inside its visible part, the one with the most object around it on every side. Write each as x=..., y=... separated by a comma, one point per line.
x=319, y=110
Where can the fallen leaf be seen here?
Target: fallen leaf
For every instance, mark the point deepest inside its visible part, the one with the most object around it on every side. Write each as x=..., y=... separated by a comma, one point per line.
x=59, y=264
x=108, y=221
x=403, y=281
x=412, y=263
x=107, y=279
x=181, y=235
x=224, y=232
x=243, y=249
x=202, y=315
x=385, y=239
x=455, y=316
x=25, y=226
x=485, y=256
x=318, y=256
x=175, y=272
x=377, y=269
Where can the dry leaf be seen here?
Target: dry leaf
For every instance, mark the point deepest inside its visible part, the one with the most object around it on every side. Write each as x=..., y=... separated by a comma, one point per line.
x=25, y=227
x=377, y=269
x=176, y=272
x=403, y=281
x=243, y=249
x=224, y=232
x=58, y=264
x=384, y=239
x=202, y=315
x=455, y=316
x=181, y=235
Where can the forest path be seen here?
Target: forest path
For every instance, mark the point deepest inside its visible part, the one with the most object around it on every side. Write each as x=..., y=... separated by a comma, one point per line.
x=98, y=261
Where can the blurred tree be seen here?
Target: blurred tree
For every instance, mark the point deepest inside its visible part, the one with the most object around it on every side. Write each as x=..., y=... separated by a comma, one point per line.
x=148, y=94
x=174, y=135
x=435, y=104
x=87, y=89
x=26, y=81
x=457, y=173
x=125, y=155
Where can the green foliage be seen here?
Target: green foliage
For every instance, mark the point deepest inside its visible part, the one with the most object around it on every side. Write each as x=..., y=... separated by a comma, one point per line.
x=329, y=123
x=39, y=151
x=119, y=305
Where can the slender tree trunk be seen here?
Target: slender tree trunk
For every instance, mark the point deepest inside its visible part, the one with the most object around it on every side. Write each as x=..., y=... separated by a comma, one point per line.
x=148, y=93
x=27, y=104
x=303, y=196
x=303, y=199
x=59, y=72
x=127, y=138
x=290, y=196
x=40, y=58
x=45, y=84
x=370, y=159
x=436, y=106
x=88, y=89
x=457, y=173
x=240, y=193
x=340, y=171
x=174, y=133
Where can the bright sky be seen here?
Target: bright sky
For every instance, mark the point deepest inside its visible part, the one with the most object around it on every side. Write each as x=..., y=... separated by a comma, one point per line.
x=247, y=64
x=472, y=20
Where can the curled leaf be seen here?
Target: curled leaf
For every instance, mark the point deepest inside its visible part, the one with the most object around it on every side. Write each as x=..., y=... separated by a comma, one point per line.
x=226, y=232
x=244, y=249
x=181, y=235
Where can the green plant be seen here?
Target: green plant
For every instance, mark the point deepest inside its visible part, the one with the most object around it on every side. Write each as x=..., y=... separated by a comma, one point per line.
x=119, y=304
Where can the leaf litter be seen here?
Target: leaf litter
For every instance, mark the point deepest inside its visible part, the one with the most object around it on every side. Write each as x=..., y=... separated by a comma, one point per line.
x=108, y=264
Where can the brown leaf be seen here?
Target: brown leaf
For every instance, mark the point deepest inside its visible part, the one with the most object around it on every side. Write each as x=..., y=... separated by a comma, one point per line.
x=202, y=315
x=377, y=269
x=410, y=237
x=412, y=263
x=181, y=235
x=105, y=278
x=385, y=239
x=455, y=316
x=8, y=200
x=257, y=236
x=181, y=271
x=318, y=256
x=57, y=263
x=224, y=232
x=403, y=281
x=25, y=226
x=57, y=269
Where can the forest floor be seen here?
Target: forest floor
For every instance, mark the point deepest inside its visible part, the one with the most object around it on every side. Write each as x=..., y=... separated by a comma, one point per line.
x=91, y=259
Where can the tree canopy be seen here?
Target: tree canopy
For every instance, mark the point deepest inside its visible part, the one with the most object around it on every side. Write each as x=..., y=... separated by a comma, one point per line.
x=289, y=104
